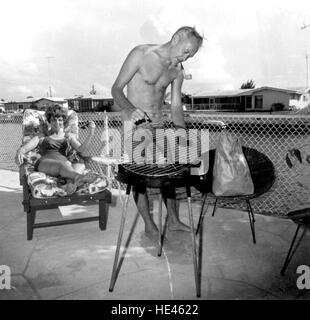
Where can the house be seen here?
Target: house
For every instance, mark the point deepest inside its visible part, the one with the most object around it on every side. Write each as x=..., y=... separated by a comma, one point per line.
x=301, y=99
x=90, y=103
x=257, y=99
x=33, y=103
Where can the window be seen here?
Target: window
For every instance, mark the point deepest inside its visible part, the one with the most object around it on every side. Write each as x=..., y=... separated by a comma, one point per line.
x=258, y=102
x=248, y=103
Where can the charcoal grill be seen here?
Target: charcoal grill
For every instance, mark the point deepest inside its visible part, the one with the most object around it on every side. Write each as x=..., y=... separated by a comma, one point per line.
x=157, y=176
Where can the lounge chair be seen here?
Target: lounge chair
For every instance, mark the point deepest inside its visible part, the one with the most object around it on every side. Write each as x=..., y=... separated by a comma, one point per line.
x=41, y=192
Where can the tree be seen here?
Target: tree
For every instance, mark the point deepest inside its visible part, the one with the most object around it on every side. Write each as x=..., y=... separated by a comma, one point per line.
x=248, y=85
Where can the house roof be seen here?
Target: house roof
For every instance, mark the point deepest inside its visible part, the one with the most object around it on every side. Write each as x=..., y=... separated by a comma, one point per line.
x=32, y=100
x=91, y=97
x=239, y=92
x=227, y=93
x=300, y=90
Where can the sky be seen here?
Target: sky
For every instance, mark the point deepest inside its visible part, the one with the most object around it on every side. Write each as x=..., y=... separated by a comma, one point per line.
x=74, y=44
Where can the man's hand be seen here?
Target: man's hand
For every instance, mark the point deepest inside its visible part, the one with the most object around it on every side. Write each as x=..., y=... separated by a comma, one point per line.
x=138, y=116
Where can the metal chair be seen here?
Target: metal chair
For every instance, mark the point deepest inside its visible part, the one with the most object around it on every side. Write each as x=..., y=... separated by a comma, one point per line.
x=297, y=157
x=263, y=176
x=302, y=219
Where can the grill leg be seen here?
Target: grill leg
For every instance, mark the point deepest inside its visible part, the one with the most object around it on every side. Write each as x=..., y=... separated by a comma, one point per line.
x=202, y=214
x=252, y=220
x=291, y=252
x=195, y=260
x=160, y=223
x=119, y=240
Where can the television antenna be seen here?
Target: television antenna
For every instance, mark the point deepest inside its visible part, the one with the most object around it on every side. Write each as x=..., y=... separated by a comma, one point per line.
x=49, y=74
x=307, y=57
x=304, y=26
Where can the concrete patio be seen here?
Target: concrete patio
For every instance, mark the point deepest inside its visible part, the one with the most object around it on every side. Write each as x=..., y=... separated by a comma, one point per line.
x=75, y=261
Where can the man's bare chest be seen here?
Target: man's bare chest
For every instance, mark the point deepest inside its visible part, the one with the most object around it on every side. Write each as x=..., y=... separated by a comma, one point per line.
x=155, y=74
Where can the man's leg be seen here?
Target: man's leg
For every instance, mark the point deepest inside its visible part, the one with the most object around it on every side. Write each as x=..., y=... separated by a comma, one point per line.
x=142, y=202
x=172, y=205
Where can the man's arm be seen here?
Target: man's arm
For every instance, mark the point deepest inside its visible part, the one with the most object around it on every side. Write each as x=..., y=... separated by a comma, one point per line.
x=177, y=113
x=129, y=68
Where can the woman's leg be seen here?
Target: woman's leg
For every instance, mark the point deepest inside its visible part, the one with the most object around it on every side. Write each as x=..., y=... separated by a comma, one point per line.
x=79, y=167
x=64, y=169
x=58, y=168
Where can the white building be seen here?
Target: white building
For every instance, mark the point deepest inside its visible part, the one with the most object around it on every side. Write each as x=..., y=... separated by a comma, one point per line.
x=257, y=99
x=91, y=103
x=301, y=99
x=40, y=103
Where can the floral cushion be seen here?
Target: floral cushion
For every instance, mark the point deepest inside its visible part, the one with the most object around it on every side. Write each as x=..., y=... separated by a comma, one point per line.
x=42, y=185
x=35, y=124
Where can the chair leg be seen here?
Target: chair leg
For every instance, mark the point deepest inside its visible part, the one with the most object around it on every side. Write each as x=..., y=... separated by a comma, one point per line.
x=160, y=240
x=214, y=208
x=103, y=214
x=119, y=240
x=292, y=251
x=252, y=220
x=31, y=215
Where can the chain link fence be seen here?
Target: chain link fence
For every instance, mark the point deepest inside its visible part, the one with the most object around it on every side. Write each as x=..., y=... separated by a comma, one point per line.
x=272, y=135
x=10, y=139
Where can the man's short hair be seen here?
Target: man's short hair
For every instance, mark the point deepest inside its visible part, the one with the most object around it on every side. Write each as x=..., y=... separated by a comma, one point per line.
x=189, y=32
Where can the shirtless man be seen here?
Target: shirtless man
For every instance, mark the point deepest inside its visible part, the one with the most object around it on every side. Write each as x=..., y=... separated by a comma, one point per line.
x=147, y=72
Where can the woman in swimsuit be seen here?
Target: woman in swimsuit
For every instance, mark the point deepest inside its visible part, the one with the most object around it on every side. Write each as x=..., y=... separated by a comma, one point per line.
x=53, y=148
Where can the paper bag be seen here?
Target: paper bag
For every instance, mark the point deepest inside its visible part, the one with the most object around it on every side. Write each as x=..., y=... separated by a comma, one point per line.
x=231, y=174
